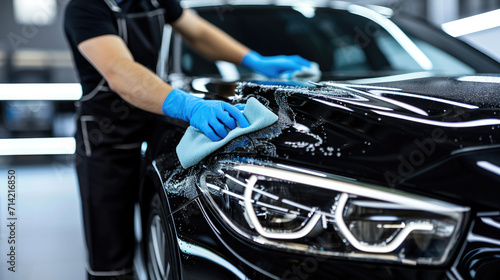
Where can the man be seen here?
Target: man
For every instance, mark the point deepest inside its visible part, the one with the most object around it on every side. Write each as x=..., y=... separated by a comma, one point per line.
x=115, y=48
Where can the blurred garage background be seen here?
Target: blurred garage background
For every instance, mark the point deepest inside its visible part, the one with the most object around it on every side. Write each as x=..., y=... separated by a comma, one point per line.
x=38, y=86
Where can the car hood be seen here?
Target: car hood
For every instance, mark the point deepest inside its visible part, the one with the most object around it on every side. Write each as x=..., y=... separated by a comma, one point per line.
x=437, y=135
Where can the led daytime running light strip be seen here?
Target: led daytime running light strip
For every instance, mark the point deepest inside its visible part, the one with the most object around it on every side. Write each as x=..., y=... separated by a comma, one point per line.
x=420, y=203
x=275, y=235
x=381, y=248
x=314, y=218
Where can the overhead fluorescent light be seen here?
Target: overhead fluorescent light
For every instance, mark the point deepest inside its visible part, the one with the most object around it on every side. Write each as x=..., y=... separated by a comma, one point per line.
x=40, y=12
x=60, y=91
x=37, y=146
x=472, y=24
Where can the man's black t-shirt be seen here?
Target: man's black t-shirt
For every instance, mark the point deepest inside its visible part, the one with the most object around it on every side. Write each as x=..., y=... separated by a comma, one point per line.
x=86, y=19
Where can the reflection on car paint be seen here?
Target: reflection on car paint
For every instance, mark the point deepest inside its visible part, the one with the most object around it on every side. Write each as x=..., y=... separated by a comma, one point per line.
x=201, y=252
x=334, y=128
x=467, y=106
x=475, y=123
x=495, y=169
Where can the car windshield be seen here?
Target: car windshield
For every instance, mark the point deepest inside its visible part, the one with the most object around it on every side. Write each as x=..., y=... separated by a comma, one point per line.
x=356, y=43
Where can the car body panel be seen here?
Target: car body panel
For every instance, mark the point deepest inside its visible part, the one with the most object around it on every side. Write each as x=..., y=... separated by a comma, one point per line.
x=212, y=245
x=481, y=254
x=416, y=132
x=302, y=139
x=374, y=137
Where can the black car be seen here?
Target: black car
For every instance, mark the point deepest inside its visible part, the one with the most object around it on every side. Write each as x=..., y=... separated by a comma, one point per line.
x=388, y=167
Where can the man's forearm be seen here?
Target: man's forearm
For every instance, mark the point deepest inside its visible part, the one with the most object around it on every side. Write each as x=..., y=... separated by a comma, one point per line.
x=138, y=85
x=132, y=81
x=217, y=45
x=209, y=40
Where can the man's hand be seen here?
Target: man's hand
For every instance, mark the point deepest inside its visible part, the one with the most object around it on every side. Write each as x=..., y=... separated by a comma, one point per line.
x=142, y=88
x=274, y=66
x=211, y=117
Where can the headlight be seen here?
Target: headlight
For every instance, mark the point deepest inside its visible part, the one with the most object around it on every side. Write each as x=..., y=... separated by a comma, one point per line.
x=305, y=211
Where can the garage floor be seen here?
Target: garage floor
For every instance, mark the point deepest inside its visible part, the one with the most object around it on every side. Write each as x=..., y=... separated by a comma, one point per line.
x=49, y=237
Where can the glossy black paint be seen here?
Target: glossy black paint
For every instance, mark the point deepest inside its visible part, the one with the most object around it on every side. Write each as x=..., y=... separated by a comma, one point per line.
x=205, y=233
x=321, y=129
x=423, y=135
x=481, y=257
x=355, y=140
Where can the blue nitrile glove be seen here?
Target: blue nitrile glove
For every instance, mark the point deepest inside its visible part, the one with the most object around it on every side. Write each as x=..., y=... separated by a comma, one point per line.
x=210, y=116
x=274, y=66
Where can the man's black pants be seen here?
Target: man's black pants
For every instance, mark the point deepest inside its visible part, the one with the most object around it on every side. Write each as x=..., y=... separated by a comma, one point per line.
x=108, y=164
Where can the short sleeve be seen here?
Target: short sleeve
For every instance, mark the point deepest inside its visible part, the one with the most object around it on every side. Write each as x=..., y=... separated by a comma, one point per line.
x=86, y=19
x=173, y=10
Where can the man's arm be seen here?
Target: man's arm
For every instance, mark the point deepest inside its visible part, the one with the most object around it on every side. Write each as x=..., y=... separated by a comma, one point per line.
x=132, y=81
x=138, y=85
x=215, y=44
x=142, y=88
x=209, y=40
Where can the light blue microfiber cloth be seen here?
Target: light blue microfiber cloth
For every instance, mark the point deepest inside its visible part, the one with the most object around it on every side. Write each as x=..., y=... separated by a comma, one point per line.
x=195, y=145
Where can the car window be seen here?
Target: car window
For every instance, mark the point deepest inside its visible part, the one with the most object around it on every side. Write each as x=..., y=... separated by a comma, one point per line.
x=442, y=61
x=340, y=41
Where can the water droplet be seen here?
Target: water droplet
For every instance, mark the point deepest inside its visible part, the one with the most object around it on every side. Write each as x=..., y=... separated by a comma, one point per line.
x=379, y=119
x=339, y=154
x=363, y=151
